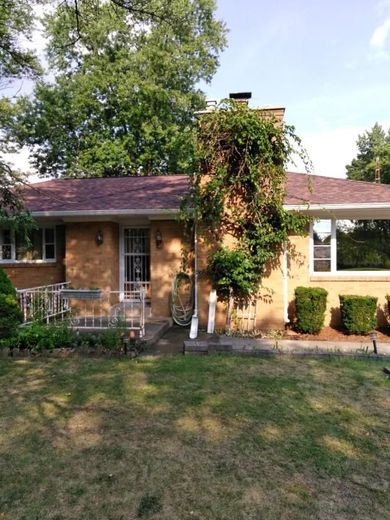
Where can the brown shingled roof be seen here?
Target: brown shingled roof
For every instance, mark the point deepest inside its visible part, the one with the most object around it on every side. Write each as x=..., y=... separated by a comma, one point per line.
x=108, y=194
x=165, y=192
x=315, y=189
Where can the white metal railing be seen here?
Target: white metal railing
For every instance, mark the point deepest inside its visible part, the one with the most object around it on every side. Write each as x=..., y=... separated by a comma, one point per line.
x=85, y=309
x=43, y=303
x=110, y=310
x=131, y=287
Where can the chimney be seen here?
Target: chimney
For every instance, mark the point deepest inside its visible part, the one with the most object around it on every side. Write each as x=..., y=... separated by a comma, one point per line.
x=241, y=97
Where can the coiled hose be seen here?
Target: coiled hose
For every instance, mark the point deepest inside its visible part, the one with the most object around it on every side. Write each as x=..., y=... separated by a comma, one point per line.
x=182, y=299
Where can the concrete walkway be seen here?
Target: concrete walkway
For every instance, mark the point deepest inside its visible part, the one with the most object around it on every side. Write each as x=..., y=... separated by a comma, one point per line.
x=176, y=341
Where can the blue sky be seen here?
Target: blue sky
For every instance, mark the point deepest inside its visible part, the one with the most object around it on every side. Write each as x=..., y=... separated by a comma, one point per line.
x=327, y=62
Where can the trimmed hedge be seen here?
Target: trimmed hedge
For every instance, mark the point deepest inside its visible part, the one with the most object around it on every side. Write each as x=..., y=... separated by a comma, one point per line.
x=358, y=313
x=310, y=306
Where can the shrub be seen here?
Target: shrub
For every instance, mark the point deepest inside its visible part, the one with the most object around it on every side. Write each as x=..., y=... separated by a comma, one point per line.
x=10, y=314
x=310, y=305
x=6, y=286
x=38, y=337
x=112, y=339
x=358, y=313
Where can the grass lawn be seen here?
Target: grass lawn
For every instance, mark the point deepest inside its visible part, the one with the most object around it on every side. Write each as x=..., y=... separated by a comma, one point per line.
x=201, y=438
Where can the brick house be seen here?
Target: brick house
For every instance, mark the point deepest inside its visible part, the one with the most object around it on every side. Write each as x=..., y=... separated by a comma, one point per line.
x=110, y=233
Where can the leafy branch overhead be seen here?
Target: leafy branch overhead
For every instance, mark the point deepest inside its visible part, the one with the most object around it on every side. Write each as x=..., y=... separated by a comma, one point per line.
x=125, y=88
x=239, y=191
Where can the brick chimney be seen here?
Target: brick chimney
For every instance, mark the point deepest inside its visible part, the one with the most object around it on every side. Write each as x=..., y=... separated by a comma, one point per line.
x=241, y=97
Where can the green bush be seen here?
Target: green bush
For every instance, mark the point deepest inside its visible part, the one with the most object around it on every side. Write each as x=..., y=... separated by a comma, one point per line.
x=38, y=337
x=10, y=314
x=6, y=286
x=112, y=339
x=358, y=313
x=310, y=306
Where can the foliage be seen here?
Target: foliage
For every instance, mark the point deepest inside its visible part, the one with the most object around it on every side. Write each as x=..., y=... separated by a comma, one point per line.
x=125, y=88
x=16, y=19
x=6, y=286
x=10, y=316
x=232, y=271
x=358, y=313
x=16, y=61
x=372, y=144
x=310, y=306
x=363, y=244
x=10, y=313
x=239, y=191
x=39, y=337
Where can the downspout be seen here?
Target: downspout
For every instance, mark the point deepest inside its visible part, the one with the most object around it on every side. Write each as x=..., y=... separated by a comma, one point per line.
x=285, y=283
x=194, y=320
x=196, y=269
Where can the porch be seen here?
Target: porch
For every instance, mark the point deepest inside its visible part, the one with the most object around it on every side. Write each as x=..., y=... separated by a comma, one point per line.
x=91, y=310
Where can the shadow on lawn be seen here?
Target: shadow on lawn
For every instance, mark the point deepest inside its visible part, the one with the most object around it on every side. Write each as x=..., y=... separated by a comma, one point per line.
x=217, y=435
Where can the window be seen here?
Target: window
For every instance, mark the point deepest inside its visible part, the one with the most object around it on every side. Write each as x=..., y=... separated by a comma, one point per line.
x=347, y=246
x=40, y=246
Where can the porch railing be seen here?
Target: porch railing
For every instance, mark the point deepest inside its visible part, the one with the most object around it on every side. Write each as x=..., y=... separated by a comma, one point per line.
x=43, y=303
x=111, y=310
x=124, y=309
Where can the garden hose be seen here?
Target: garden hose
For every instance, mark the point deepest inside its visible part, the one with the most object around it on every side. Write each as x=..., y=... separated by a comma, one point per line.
x=182, y=305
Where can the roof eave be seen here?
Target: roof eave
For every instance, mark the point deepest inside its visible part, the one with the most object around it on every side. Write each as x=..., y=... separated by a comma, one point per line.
x=106, y=213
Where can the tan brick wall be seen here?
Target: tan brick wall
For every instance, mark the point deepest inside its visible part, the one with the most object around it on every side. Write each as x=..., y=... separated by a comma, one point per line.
x=33, y=275
x=360, y=285
x=165, y=262
x=90, y=265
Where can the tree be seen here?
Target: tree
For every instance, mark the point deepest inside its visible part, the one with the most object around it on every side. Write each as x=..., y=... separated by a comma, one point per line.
x=373, y=144
x=125, y=91
x=16, y=19
x=238, y=196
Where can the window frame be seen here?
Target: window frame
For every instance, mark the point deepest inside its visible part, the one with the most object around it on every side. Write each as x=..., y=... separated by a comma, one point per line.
x=333, y=253
x=42, y=260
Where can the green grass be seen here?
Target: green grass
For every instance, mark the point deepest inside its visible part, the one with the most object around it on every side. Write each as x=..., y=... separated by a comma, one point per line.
x=193, y=438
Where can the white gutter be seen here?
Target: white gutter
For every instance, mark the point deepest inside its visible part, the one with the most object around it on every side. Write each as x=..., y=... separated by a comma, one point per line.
x=105, y=212
x=171, y=211
x=314, y=207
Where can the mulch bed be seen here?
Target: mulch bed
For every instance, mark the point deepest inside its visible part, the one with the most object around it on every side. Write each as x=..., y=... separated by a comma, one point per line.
x=332, y=334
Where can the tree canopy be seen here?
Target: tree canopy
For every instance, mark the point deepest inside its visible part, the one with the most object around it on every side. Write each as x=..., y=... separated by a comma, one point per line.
x=372, y=145
x=125, y=88
x=16, y=61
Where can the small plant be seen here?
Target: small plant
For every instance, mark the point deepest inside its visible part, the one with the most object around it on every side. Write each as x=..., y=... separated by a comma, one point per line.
x=112, y=339
x=310, y=306
x=358, y=313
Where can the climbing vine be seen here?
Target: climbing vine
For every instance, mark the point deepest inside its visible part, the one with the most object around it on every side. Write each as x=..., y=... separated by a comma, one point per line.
x=238, y=192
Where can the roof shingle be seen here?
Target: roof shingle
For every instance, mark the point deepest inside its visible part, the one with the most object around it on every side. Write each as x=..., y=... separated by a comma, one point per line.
x=166, y=192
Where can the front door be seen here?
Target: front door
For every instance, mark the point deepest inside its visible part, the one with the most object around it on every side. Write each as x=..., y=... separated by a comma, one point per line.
x=136, y=261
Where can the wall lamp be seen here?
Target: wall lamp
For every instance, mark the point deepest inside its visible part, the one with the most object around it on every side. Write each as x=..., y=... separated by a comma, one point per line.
x=99, y=239
x=158, y=239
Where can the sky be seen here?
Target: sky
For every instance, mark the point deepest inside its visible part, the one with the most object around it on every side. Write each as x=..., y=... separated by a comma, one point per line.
x=326, y=62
